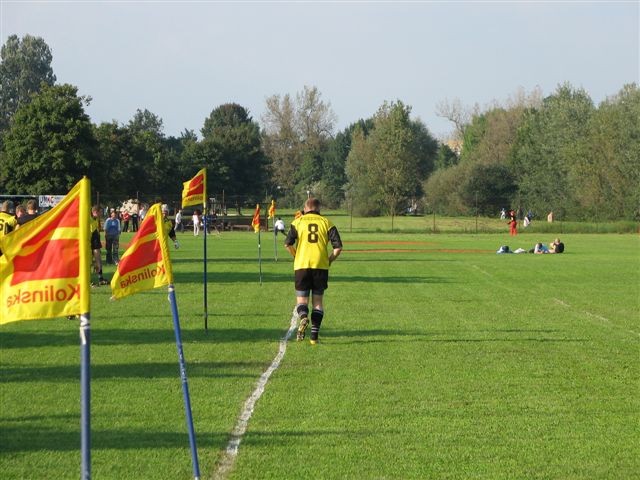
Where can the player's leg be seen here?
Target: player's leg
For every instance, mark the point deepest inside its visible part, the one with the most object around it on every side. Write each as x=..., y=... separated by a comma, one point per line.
x=317, y=314
x=320, y=284
x=303, y=290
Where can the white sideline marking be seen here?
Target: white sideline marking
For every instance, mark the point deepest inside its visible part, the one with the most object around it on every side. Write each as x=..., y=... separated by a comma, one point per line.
x=602, y=319
x=231, y=452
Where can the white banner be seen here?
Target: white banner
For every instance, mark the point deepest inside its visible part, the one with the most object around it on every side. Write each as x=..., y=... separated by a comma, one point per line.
x=49, y=200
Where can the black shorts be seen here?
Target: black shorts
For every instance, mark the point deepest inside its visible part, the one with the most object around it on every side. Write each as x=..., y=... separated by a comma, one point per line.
x=95, y=241
x=311, y=279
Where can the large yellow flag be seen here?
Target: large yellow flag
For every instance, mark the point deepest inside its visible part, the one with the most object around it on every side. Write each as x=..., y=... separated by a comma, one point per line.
x=194, y=192
x=45, y=266
x=146, y=263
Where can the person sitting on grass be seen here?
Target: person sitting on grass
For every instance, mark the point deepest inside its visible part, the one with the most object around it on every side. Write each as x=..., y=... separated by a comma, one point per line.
x=556, y=246
x=540, y=248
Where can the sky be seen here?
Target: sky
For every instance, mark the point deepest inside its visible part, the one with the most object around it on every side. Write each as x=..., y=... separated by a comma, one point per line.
x=181, y=60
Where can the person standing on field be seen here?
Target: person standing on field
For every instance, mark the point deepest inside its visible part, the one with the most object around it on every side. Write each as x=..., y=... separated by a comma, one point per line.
x=112, y=237
x=307, y=241
x=7, y=221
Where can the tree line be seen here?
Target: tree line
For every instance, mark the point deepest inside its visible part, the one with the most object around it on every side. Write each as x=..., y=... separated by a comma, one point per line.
x=557, y=153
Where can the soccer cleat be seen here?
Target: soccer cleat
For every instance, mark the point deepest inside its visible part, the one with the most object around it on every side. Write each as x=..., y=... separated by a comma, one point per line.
x=313, y=342
x=103, y=282
x=302, y=329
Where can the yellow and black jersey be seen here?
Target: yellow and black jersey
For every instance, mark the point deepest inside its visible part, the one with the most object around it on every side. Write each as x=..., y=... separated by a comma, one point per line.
x=7, y=224
x=312, y=232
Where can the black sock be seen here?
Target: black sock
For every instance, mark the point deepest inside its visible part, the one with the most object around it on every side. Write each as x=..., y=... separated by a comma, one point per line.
x=316, y=320
x=303, y=310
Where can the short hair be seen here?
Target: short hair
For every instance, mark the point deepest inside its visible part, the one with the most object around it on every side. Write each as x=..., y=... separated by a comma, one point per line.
x=312, y=205
x=32, y=204
x=7, y=206
x=20, y=208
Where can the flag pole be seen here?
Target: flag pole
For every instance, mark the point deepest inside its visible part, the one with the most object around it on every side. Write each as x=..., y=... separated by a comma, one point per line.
x=185, y=385
x=85, y=396
x=275, y=240
x=206, y=314
x=259, y=254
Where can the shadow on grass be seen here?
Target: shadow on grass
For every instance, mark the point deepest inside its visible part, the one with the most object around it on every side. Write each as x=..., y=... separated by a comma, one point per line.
x=100, y=337
x=63, y=373
x=214, y=277
x=456, y=336
x=26, y=437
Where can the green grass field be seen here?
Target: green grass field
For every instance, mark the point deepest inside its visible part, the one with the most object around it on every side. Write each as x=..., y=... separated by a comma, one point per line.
x=438, y=359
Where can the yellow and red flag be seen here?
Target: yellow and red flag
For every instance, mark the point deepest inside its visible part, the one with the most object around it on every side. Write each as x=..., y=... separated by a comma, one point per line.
x=272, y=209
x=255, y=223
x=45, y=266
x=146, y=263
x=194, y=192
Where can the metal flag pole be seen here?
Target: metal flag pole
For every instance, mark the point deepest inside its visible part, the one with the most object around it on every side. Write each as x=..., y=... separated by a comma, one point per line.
x=85, y=396
x=185, y=385
x=259, y=255
x=206, y=314
x=275, y=239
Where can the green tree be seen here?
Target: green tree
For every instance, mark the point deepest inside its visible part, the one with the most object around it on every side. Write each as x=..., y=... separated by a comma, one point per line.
x=50, y=144
x=151, y=171
x=389, y=168
x=232, y=151
x=549, y=142
x=605, y=178
x=296, y=138
x=445, y=157
x=488, y=188
x=25, y=66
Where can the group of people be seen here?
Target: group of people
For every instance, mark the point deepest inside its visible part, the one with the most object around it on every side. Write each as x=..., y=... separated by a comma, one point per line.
x=556, y=246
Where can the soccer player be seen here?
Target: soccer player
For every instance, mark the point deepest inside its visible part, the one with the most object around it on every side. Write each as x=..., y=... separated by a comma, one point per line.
x=96, y=244
x=7, y=221
x=168, y=226
x=307, y=242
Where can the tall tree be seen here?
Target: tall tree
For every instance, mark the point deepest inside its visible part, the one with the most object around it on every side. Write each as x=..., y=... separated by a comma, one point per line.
x=151, y=171
x=50, y=144
x=232, y=151
x=389, y=165
x=296, y=136
x=548, y=144
x=25, y=66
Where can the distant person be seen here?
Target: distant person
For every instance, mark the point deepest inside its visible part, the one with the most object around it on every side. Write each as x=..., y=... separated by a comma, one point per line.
x=307, y=241
x=96, y=245
x=179, y=227
x=550, y=217
x=279, y=226
x=112, y=231
x=168, y=225
x=135, y=209
x=8, y=222
x=126, y=217
x=196, y=222
x=556, y=246
x=30, y=213
x=540, y=248
x=503, y=214
x=526, y=222
x=513, y=224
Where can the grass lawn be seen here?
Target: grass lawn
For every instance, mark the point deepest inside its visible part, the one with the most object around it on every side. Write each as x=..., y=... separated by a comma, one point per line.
x=438, y=359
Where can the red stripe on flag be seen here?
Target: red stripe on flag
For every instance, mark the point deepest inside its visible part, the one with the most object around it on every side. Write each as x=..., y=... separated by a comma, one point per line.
x=147, y=253
x=66, y=218
x=54, y=259
x=196, y=186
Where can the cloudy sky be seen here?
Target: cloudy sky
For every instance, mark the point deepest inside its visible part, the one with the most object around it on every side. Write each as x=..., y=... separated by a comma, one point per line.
x=180, y=60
